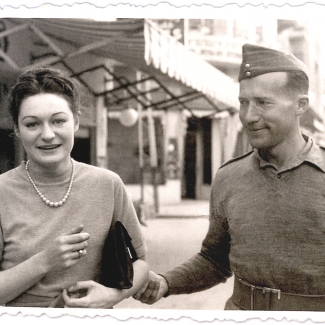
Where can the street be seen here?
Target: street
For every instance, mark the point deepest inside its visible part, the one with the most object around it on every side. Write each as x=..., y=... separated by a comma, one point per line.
x=170, y=242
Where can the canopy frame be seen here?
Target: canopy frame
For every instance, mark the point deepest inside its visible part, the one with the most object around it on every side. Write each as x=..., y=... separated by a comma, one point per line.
x=57, y=55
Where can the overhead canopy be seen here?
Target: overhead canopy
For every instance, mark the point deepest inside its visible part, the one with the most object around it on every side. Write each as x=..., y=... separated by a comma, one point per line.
x=138, y=43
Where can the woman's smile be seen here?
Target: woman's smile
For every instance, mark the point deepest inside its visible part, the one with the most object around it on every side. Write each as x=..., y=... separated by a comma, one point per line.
x=49, y=147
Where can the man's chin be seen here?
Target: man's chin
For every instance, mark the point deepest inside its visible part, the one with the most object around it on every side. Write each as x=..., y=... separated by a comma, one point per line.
x=259, y=145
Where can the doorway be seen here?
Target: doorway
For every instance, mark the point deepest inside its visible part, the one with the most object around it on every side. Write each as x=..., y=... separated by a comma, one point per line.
x=83, y=148
x=197, y=175
x=7, y=150
x=189, y=174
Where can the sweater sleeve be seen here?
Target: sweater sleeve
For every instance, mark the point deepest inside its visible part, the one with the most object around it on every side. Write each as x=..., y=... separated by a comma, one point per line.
x=1, y=243
x=124, y=211
x=211, y=265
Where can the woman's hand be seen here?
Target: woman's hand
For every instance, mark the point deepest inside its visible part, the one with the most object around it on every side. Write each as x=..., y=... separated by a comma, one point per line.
x=153, y=290
x=63, y=252
x=90, y=294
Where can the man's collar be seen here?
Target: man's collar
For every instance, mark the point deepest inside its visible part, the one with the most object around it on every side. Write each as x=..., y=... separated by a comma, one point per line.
x=315, y=156
x=311, y=153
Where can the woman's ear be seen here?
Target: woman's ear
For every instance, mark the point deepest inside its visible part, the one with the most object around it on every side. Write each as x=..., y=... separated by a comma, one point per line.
x=76, y=124
x=302, y=105
x=16, y=131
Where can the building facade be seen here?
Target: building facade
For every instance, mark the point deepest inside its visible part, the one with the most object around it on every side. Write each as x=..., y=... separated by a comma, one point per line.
x=220, y=41
x=125, y=64
x=219, y=137
x=304, y=40
x=178, y=76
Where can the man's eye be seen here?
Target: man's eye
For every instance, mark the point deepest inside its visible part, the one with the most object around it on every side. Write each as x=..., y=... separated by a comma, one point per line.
x=243, y=102
x=262, y=102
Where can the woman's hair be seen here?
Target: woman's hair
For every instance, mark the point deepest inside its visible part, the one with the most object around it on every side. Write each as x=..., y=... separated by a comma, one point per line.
x=43, y=80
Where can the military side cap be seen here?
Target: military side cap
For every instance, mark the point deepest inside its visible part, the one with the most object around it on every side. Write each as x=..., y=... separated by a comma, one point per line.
x=259, y=60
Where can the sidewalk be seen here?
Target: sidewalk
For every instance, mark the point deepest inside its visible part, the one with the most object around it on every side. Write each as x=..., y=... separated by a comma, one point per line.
x=173, y=237
x=185, y=209
x=171, y=242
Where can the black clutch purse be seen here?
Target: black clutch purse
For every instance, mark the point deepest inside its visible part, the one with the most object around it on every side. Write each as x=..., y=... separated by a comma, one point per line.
x=117, y=258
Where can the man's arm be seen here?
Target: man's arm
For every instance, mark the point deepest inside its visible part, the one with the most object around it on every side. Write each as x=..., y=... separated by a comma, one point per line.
x=206, y=269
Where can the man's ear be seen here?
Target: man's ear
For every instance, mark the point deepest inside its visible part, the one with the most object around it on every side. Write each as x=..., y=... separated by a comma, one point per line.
x=302, y=104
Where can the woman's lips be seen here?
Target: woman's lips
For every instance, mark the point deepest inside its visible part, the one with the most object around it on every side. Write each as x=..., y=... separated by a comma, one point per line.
x=49, y=147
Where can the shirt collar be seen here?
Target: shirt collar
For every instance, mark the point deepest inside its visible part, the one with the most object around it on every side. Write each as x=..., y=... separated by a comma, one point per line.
x=311, y=153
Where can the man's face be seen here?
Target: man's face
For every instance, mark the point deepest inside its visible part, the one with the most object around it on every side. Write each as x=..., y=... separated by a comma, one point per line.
x=268, y=110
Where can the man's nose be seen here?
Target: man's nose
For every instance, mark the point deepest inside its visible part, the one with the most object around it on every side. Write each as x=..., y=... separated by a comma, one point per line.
x=47, y=132
x=251, y=113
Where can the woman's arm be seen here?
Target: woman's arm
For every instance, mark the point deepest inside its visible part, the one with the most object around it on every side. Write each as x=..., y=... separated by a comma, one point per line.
x=18, y=279
x=98, y=296
x=61, y=254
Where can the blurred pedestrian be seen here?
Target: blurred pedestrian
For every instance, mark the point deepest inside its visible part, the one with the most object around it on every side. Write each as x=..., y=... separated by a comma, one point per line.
x=267, y=207
x=56, y=212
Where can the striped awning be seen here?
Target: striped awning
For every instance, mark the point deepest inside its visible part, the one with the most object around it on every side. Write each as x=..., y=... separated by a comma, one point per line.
x=168, y=55
x=139, y=43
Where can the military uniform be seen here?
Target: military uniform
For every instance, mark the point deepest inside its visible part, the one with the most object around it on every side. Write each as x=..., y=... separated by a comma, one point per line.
x=267, y=225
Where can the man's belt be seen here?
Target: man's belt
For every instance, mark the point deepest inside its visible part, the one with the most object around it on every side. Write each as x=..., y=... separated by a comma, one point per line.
x=249, y=297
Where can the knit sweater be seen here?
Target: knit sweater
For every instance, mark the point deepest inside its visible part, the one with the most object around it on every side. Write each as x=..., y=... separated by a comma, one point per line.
x=28, y=226
x=266, y=226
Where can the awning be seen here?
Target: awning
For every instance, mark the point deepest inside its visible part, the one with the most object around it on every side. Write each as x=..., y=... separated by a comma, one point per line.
x=164, y=52
x=138, y=43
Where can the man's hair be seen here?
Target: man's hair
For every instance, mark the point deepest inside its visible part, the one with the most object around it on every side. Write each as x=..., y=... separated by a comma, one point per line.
x=297, y=82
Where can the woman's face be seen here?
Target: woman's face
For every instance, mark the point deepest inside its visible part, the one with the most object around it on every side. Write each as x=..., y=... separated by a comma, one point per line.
x=46, y=126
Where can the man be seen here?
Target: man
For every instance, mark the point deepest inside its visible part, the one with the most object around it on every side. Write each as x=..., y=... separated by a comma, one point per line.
x=267, y=208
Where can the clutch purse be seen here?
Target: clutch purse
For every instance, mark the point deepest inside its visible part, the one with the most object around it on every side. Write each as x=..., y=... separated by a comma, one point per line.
x=117, y=258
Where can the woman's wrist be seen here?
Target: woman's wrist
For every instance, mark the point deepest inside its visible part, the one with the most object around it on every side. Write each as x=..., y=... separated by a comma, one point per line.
x=41, y=262
x=114, y=296
x=165, y=285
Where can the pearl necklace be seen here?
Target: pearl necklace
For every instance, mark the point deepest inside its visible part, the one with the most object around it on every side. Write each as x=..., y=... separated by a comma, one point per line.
x=44, y=199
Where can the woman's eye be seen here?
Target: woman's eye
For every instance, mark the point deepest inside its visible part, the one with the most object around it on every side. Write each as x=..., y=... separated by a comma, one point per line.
x=58, y=121
x=32, y=125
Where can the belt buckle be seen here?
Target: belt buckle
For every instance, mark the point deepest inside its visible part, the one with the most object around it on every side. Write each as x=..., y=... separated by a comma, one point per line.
x=252, y=292
x=275, y=291
x=264, y=290
x=252, y=296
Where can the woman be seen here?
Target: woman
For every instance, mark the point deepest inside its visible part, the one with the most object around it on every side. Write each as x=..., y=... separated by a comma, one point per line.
x=55, y=212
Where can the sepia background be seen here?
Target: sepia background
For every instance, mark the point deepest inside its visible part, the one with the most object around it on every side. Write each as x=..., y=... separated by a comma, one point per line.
x=160, y=109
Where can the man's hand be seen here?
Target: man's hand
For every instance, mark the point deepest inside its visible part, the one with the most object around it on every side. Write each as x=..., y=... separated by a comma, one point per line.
x=153, y=290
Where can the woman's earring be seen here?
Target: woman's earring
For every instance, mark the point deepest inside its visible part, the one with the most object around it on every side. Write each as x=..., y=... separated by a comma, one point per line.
x=16, y=133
